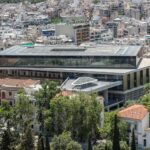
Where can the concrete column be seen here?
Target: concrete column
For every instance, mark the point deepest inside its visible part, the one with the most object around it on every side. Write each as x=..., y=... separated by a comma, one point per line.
x=138, y=78
x=144, y=76
x=132, y=80
x=106, y=96
x=125, y=82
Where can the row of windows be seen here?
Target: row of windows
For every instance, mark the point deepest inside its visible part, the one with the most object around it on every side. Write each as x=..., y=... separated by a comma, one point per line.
x=87, y=61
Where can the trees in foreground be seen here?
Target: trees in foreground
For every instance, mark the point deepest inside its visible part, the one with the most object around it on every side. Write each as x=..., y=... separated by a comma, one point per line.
x=6, y=140
x=80, y=115
x=40, y=144
x=64, y=142
x=67, y=120
x=116, y=140
x=27, y=141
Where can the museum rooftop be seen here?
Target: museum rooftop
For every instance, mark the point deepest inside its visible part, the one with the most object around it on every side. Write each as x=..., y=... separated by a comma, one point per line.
x=100, y=50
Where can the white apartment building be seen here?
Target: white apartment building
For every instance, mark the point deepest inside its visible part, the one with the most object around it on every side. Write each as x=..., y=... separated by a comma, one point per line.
x=137, y=117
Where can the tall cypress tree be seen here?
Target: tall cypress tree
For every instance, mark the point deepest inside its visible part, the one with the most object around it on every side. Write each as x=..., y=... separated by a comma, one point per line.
x=116, y=145
x=133, y=145
x=40, y=144
x=6, y=140
x=89, y=142
x=47, y=146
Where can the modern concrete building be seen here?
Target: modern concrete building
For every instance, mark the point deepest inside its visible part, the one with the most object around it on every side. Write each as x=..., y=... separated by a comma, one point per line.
x=78, y=32
x=105, y=63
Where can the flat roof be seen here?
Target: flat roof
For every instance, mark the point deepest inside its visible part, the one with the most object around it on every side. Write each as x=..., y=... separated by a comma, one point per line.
x=99, y=50
x=84, y=80
x=95, y=87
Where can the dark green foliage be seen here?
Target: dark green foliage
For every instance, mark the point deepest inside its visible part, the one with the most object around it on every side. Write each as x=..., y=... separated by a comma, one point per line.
x=106, y=132
x=145, y=100
x=23, y=111
x=72, y=145
x=116, y=145
x=6, y=140
x=100, y=146
x=64, y=142
x=124, y=145
x=40, y=144
x=27, y=141
x=81, y=114
x=47, y=146
x=5, y=111
x=103, y=146
x=133, y=145
x=147, y=88
x=46, y=93
x=89, y=142
x=108, y=145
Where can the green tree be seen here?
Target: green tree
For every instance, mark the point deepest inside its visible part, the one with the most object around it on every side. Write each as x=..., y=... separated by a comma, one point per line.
x=133, y=145
x=145, y=100
x=89, y=142
x=64, y=142
x=116, y=145
x=108, y=145
x=5, y=112
x=23, y=112
x=147, y=88
x=40, y=144
x=27, y=141
x=81, y=114
x=44, y=96
x=47, y=146
x=6, y=140
x=46, y=93
x=100, y=146
x=105, y=132
x=124, y=145
x=73, y=146
x=122, y=125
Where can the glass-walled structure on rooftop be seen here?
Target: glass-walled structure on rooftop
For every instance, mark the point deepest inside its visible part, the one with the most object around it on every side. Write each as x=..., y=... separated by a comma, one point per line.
x=69, y=61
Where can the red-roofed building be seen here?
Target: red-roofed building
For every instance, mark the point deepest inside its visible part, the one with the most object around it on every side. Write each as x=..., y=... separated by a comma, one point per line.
x=137, y=117
x=9, y=87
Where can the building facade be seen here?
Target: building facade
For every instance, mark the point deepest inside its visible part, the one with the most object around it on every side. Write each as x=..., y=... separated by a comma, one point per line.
x=105, y=63
x=9, y=88
x=79, y=32
x=137, y=118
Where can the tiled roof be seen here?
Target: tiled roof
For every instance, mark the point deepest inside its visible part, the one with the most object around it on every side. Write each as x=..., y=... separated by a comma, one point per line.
x=8, y=82
x=65, y=93
x=134, y=112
